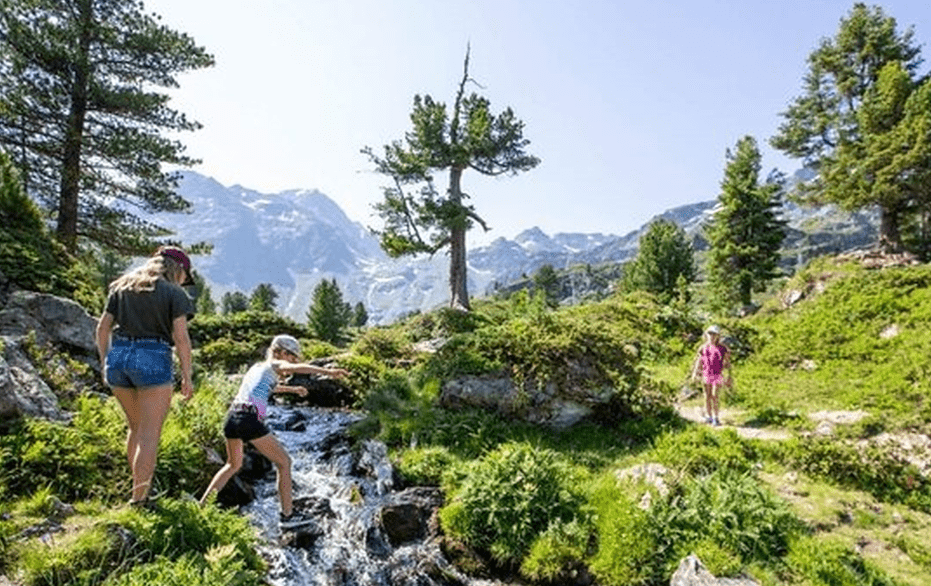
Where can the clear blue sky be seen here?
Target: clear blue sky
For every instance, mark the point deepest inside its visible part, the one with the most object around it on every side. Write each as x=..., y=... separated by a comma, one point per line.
x=629, y=105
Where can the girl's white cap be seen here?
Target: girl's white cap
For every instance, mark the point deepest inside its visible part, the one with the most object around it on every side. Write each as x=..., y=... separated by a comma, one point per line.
x=287, y=343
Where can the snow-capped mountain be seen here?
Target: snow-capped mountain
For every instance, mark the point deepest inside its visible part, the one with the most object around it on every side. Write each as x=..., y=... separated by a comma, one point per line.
x=296, y=238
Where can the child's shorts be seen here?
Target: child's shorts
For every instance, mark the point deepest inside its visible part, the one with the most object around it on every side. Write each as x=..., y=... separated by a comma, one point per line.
x=136, y=363
x=242, y=422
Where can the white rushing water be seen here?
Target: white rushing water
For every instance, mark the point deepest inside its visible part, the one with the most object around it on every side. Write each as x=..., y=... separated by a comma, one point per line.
x=344, y=488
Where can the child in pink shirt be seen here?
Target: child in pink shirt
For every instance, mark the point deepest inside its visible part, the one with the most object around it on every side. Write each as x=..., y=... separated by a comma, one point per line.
x=713, y=358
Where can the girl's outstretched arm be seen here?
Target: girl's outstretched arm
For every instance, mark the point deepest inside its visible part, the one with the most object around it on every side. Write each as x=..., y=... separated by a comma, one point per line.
x=293, y=389
x=285, y=368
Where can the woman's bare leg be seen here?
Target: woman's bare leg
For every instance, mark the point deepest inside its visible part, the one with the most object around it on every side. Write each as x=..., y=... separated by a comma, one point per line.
x=152, y=404
x=128, y=400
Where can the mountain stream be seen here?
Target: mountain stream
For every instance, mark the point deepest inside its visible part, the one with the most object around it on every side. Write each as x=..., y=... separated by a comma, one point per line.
x=364, y=531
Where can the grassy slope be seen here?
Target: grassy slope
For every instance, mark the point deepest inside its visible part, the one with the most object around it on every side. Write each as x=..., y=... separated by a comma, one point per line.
x=858, y=340
x=826, y=352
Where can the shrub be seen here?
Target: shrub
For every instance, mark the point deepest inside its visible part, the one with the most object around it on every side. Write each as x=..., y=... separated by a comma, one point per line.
x=86, y=458
x=84, y=558
x=425, y=466
x=699, y=450
x=253, y=326
x=557, y=555
x=384, y=344
x=827, y=561
x=181, y=543
x=626, y=552
x=30, y=256
x=728, y=515
x=877, y=471
x=229, y=355
x=180, y=527
x=509, y=497
x=218, y=567
x=80, y=460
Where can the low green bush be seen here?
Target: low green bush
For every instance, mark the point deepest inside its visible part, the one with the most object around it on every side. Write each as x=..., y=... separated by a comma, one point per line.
x=230, y=355
x=425, y=466
x=218, y=567
x=178, y=541
x=878, y=471
x=557, y=555
x=86, y=458
x=699, y=450
x=626, y=553
x=727, y=514
x=86, y=558
x=79, y=460
x=180, y=527
x=30, y=256
x=384, y=344
x=506, y=499
x=821, y=560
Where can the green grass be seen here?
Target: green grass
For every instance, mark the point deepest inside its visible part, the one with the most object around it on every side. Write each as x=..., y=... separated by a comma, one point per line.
x=551, y=505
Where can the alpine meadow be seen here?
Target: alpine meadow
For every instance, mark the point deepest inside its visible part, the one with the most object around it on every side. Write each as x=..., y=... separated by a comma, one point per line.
x=533, y=436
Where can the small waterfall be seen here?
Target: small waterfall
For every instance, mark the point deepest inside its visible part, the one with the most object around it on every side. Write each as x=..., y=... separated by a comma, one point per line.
x=349, y=491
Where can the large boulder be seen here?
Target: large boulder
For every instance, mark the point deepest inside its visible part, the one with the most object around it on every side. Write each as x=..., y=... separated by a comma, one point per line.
x=22, y=390
x=44, y=320
x=52, y=319
x=541, y=404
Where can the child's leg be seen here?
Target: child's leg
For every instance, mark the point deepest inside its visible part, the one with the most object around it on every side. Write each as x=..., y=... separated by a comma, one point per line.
x=269, y=447
x=233, y=464
x=715, y=403
x=709, y=389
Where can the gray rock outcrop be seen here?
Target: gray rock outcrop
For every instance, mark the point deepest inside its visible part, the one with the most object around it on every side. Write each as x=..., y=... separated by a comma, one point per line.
x=29, y=317
x=691, y=572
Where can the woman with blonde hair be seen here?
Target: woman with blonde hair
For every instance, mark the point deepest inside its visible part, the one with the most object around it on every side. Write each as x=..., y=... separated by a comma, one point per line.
x=147, y=313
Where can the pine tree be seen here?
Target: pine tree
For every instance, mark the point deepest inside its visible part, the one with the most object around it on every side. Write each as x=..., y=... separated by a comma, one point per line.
x=825, y=127
x=234, y=302
x=665, y=261
x=79, y=115
x=203, y=296
x=329, y=316
x=419, y=217
x=263, y=298
x=360, y=316
x=546, y=281
x=745, y=233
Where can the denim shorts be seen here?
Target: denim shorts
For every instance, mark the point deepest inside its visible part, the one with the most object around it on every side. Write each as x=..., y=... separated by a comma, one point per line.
x=139, y=363
x=242, y=422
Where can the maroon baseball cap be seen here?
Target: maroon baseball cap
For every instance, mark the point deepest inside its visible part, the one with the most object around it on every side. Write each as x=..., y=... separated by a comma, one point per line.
x=182, y=258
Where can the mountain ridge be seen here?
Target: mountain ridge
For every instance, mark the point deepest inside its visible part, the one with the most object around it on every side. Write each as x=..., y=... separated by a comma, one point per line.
x=295, y=238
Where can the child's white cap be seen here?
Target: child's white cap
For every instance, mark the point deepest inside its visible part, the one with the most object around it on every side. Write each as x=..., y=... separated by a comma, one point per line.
x=287, y=343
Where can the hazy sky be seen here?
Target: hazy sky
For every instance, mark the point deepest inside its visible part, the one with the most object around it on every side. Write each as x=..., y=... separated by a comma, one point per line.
x=629, y=105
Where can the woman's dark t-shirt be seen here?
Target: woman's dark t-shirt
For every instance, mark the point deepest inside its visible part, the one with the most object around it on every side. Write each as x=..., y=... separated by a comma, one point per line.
x=149, y=314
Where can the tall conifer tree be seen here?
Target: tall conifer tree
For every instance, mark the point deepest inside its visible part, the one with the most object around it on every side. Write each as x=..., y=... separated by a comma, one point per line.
x=81, y=118
x=746, y=232
x=664, y=256
x=419, y=217
x=328, y=315
x=824, y=126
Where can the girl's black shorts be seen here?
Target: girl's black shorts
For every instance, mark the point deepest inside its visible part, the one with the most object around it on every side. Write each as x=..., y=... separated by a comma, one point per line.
x=244, y=423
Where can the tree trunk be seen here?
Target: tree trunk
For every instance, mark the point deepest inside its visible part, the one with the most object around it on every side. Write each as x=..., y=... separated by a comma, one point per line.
x=67, y=228
x=890, y=240
x=458, y=286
